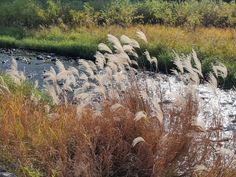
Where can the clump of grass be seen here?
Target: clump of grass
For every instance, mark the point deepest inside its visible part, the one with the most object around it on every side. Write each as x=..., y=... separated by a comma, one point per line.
x=63, y=143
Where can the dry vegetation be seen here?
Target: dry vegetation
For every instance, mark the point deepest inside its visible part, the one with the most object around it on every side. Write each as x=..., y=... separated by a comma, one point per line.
x=118, y=135
x=62, y=143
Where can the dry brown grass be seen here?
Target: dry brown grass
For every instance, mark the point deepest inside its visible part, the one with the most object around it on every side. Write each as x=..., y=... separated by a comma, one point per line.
x=62, y=143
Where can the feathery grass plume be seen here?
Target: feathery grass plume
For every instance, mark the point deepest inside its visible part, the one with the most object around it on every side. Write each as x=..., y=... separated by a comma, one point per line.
x=87, y=68
x=132, y=42
x=112, y=66
x=176, y=73
x=84, y=98
x=17, y=76
x=100, y=89
x=108, y=70
x=73, y=71
x=137, y=141
x=135, y=54
x=152, y=60
x=220, y=70
x=195, y=78
x=212, y=80
x=66, y=74
x=130, y=50
x=178, y=63
x=83, y=76
x=50, y=75
x=140, y=115
x=125, y=39
x=100, y=60
x=87, y=91
x=67, y=86
x=104, y=48
x=116, y=107
x=85, y=87
x=92, y=65
x=197, y=63
x=53, y=94
x=116, y=43
x=135, y=63
x=119, y=59
x=3, y=86
x=187, y=63
x=103, y=79
x=60, y=66
x=214, y=69
x=142, y=36
x=119, y=77
x=124, y=59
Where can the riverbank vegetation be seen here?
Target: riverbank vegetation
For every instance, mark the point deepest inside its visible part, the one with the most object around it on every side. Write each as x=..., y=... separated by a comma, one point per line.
x=102, y=118
x=35, y=13
x=75, y=28
x=211, y=44
x=109, y=124
x=54, y=142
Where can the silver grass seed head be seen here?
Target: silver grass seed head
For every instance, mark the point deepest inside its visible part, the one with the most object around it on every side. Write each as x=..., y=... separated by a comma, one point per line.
x=125, y=39
x=142, y=36
x=212, y=80
x=116, y=107
x=104, y=48
x=116, y=43
x=140, y=115
x=137, y=141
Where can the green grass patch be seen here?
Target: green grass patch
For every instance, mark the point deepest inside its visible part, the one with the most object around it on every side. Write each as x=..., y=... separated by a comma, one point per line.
x=211, y=44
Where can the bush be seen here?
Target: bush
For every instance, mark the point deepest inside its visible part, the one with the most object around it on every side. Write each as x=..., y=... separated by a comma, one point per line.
x=22, y=13
x=119, y=12
x=29, y=13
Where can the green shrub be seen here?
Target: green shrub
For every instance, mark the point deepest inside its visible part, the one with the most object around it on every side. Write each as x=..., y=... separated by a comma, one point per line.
x=120, y=12
x=35, y=13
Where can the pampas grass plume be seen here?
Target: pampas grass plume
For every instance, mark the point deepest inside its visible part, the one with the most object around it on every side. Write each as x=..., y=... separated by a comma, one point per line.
x=140, y=115
x=142, y=36
x=137, y=141
x=104, y=47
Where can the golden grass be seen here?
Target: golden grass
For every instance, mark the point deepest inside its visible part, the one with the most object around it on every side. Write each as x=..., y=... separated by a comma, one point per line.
x=210, y=43
x=173, y=37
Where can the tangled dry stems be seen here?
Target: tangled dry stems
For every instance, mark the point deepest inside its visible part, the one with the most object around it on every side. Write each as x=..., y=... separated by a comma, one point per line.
x=63, y=143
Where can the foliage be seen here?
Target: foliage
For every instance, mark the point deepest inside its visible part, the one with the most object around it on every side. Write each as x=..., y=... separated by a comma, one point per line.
x=35, y=13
